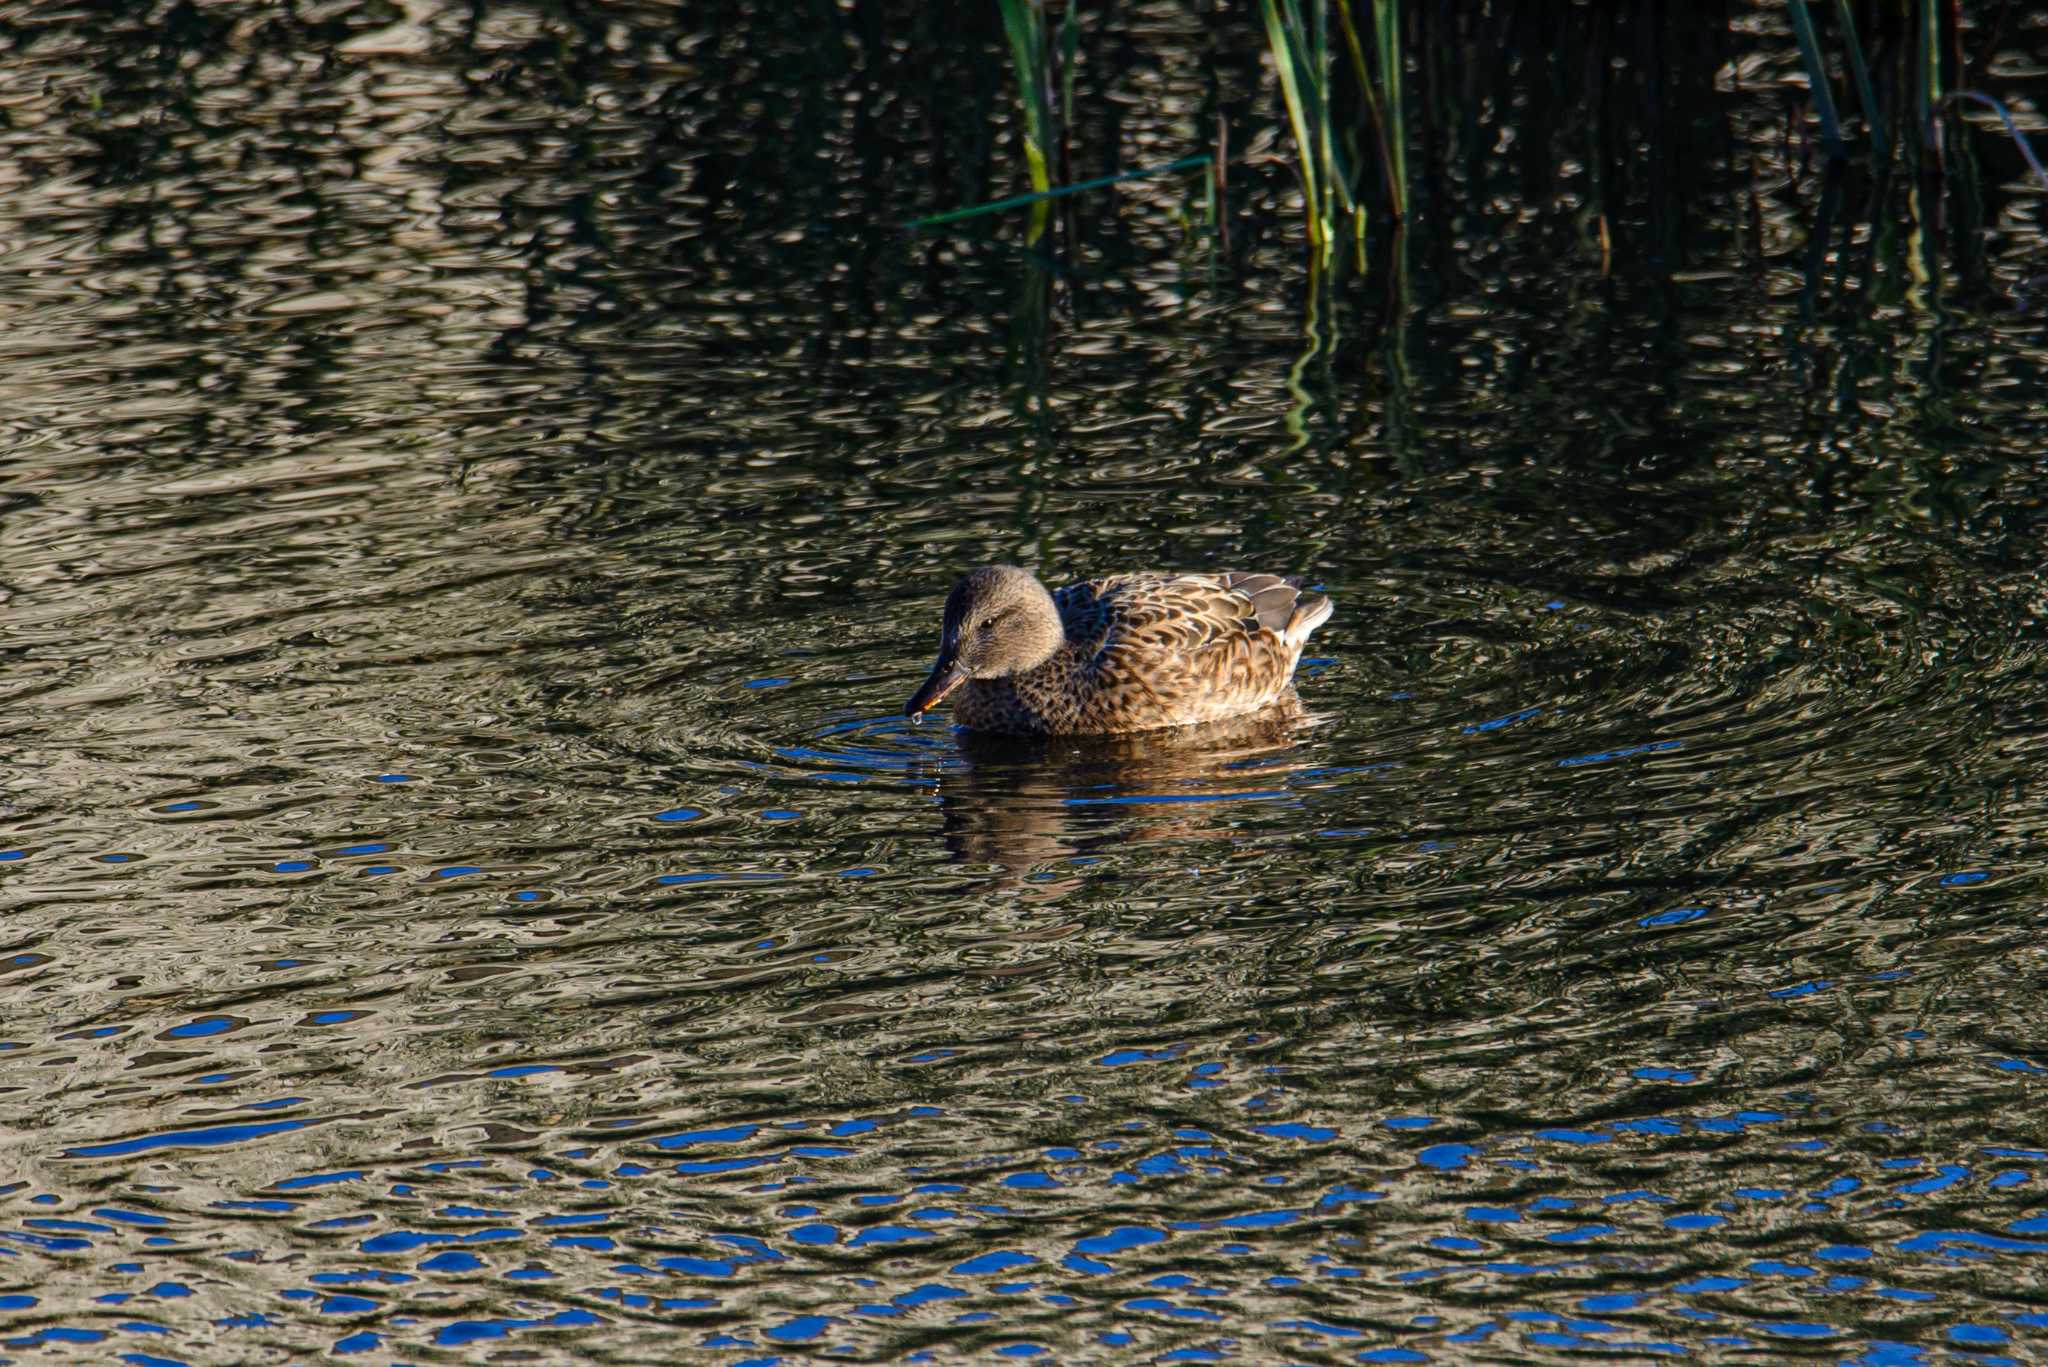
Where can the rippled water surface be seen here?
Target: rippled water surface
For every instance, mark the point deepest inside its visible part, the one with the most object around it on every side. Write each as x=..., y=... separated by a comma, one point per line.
x=479, y=486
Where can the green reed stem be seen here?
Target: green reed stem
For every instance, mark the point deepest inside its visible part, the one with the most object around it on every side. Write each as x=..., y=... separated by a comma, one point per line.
x=1387, y=33
x=1301, y=57
x=1375, y=107
x=1866, y=94
x=1817, y=80
x=1928, y=86
x=1024, y=24
x=1319, y=63
x=1294, y=88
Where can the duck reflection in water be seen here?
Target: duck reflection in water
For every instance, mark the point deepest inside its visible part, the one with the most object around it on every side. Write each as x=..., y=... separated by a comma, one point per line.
x=1024, y=803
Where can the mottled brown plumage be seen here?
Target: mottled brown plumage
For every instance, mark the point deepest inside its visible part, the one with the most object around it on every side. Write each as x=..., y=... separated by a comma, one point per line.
x=1128, y=653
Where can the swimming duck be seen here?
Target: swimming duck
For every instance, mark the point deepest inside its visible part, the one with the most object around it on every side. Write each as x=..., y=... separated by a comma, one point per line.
x=1132, y=652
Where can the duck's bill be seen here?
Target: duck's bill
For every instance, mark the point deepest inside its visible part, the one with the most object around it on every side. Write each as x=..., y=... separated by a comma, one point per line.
x=945, y=677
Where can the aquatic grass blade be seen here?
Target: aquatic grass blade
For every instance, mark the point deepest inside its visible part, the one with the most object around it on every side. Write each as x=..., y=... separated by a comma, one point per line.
x=1387, y=34
x=1023, y=25
x=1286, y=61
x=1866, y=94
x=1070, y=46
x=1927, y=86
x=997, y=206
x=2019, y=136
x=1392, y=172
x=1301, y=52
x=1335, y=176
x=1817, y=80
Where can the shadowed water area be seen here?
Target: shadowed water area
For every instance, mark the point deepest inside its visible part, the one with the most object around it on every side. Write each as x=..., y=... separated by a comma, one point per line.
x=479, y=486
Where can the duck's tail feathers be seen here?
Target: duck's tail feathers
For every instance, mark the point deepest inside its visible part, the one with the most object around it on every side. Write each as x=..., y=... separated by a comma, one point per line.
x=1309, y=613
x=1278, y=603
x=1272, y=597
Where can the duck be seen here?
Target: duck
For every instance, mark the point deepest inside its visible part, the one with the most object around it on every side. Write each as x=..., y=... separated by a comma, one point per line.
x=1132, y=652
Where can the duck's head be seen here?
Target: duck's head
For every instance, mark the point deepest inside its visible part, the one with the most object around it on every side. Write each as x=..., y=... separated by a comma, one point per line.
x=999, y=621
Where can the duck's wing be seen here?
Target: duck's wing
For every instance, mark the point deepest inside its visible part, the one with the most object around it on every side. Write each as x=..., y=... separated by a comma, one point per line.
x=1189, y=615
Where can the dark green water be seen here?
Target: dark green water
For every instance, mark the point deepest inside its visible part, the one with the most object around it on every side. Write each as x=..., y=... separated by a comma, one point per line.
x=479, y=486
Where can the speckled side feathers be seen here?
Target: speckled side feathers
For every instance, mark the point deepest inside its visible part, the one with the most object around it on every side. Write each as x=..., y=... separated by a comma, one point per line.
x=1150, y=650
